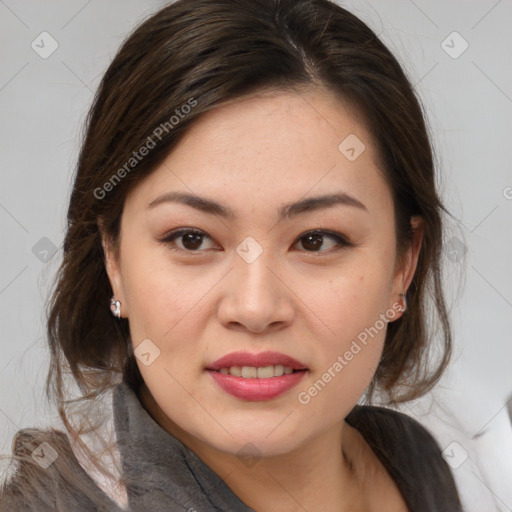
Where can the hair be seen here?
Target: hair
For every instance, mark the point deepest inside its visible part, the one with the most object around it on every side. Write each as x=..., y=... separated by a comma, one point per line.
x=187, y=59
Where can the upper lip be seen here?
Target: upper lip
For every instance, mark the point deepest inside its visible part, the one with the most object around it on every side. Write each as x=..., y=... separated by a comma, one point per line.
x=268, y=358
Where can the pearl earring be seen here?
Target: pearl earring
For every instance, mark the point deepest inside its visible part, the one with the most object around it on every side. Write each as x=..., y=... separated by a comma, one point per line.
x=404, y=307
x=115, y=307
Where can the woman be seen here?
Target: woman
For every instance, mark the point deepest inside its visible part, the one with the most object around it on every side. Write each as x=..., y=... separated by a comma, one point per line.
x=252, y=234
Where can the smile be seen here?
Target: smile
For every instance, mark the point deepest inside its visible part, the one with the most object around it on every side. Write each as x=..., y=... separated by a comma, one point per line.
x=256, y=377
x=253, y=372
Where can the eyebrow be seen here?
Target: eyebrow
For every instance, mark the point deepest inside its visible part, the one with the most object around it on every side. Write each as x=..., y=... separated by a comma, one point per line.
x=288, y=210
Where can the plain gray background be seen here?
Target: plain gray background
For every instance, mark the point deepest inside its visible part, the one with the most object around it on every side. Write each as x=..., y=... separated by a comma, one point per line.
x=458, y=55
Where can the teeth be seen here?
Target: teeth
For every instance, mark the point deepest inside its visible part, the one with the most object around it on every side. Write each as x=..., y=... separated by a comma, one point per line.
x=279, y=370
x=249, y=372
x=235, y=370
x=252, y=372
x=264, y=372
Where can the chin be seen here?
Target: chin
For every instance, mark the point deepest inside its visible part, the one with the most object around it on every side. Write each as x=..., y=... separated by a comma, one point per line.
x=254, y=447
x=254, y=438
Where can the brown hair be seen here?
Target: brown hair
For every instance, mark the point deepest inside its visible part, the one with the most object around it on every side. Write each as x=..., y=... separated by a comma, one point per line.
x=201, y=53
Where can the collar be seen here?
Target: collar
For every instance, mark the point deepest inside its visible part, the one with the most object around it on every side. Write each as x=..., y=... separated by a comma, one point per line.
x=159, y=470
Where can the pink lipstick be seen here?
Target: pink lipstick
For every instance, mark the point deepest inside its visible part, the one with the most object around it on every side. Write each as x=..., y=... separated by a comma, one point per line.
x=256, y=377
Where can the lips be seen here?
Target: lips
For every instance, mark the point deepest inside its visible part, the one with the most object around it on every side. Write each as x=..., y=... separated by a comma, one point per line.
x=238, y=374
x=262, y=359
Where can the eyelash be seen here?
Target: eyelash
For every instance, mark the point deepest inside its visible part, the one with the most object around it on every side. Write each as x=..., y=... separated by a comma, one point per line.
x=340, y=239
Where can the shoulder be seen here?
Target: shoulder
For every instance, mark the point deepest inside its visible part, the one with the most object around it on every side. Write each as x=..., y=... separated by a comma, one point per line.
x=29, y=484
x=383, y=424
x=411, y=455
x=46, y=476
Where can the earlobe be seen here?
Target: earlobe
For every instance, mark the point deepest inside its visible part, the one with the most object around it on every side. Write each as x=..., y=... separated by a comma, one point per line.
x=417, y=224
x=405, y=274
x=112, y=267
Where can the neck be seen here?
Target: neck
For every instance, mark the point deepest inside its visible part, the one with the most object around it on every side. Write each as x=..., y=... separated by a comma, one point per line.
x=314, y=477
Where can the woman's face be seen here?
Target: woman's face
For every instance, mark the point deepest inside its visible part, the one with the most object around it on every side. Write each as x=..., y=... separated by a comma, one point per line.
x=251, y=175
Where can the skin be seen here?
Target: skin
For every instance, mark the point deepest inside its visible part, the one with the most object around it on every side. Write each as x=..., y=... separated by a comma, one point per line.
x=253, y=155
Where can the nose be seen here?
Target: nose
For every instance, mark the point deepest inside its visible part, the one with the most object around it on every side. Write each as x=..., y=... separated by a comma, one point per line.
x=255, y=297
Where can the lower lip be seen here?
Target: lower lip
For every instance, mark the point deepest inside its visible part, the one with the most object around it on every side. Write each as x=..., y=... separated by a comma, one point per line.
x=256, y=389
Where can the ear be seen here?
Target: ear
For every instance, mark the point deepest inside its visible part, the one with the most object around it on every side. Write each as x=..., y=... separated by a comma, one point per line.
x=113, y=268
x=405, y=271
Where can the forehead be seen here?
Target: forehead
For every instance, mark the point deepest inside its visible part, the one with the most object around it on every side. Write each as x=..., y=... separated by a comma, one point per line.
x=270, y=148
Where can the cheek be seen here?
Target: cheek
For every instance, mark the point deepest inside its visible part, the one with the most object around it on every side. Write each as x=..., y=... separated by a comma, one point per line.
x=353, y=310
x=360, y=326
x=162, y=299
x=353, y=301
x=348, y=357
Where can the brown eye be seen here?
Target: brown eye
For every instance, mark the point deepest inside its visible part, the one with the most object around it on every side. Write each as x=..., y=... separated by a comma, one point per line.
x=190, y=240
x=313, y=241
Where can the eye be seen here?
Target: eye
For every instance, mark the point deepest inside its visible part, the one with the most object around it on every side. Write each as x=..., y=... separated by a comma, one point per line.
x=191, y=239
x=314, y=240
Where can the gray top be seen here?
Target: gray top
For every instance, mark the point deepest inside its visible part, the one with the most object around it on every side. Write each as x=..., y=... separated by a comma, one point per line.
x=175, y=477
x=162, y=474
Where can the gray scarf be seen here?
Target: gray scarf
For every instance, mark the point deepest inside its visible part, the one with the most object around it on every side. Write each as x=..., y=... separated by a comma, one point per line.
x=162, y=473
